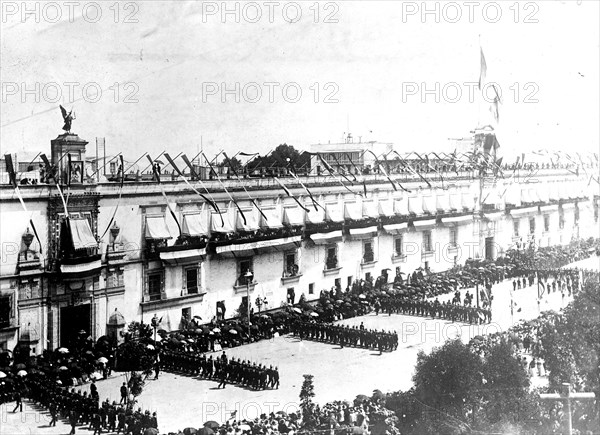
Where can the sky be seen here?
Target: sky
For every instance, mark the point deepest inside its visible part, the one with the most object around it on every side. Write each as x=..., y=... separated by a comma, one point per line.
x=161, y=67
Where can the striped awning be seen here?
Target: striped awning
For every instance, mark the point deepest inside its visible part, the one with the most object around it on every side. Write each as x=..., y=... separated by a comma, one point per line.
x=370, y=209
x=273, y=220
x=242, y=249
x=424, y=223
x=334, y=212
x=80, y=268
x=443, y=202
x=546, y=208
x=567, y=206
x=363, y=233
x=294, y=216
x=183, y=256
x=386, y=208
x=457, y=219
x=401, y=206
x=315, y=216
x=493, y=215
x=395, y=228
x=523, y=211
x=81, y=234
x=251, y=221
x=353, y=211
x=156, y=228
x=430, y=204
x=325, y=238
x=194, y=225
x=415, y=205
x=225, y=226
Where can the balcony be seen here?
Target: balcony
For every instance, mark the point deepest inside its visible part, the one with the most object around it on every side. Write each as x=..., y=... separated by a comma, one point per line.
x=156, y=301
x=331, y=271
x=248, y=243
x=242, y=286
x=398, y=257
x=185, y=250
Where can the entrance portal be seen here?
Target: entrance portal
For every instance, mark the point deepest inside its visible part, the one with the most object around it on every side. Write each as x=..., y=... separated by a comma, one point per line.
x=72, y=321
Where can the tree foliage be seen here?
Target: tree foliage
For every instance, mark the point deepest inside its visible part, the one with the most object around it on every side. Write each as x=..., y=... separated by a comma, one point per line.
x=307, y=392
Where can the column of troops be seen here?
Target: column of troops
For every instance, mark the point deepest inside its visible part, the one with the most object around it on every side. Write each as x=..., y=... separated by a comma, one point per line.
x=83, y=409
x=436, y=309
x=244, y=373
x=346, y=336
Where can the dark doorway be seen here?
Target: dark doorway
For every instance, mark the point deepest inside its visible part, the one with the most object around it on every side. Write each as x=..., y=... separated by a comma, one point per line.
x=72, y=321
x=489, y=248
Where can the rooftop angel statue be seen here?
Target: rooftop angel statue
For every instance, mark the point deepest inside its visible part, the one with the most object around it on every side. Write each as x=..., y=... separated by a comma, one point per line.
x=68, y=118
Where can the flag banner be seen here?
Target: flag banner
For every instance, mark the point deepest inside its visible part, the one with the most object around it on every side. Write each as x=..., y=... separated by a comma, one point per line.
x=164, y=194
x=482, y=70
x=287, y=191
x=314, y=201
x=226, y=191
x=244, y=187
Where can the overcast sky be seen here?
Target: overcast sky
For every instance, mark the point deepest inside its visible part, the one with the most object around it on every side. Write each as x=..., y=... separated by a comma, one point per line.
x=174, y=50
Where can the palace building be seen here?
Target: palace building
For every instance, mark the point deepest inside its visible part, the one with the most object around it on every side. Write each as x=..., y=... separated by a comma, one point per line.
x=127, y=253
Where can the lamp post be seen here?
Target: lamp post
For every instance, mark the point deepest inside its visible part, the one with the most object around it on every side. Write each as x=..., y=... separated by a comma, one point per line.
x=155, y=322
x=248, y=276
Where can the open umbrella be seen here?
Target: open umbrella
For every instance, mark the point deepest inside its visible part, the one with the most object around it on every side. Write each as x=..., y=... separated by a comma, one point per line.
x=2, y=375
x=62, y=368
x=297, y=310
x=63, y=350
x=151, y=431
x=149, y=346
x=314, y=314
x=102, y=360
x=20, y=367
x=233, y=331
x=216, y=330
x=362, y=296
x=21, y=373
x=244, y=427
x=204, y=431
x=211, y=424
x=190, y=431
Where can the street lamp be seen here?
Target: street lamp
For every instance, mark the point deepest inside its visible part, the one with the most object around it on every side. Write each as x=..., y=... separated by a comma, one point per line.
x=155, y=322
x=248, y=276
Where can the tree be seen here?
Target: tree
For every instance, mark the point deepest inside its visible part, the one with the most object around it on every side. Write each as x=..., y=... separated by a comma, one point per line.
x=307, y=392
x=237, y=164
x=283, y=156
x=445, y=382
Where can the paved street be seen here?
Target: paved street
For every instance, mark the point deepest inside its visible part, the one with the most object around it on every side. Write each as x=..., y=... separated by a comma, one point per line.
x=338, y=373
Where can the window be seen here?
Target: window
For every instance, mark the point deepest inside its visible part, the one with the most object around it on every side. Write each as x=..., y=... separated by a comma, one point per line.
x=576, y=215
x=368, y=254
x=191, y=280
x=398, y=246
x=186, y=315
x=531, y=225
x=113, y=167
x=245, y=266
x=220, y=310
x=427, y=247
x=291, y=296
x=5, y=310
x=453, y=237
x=561, y=219
x=331, y=261
x=338, y=283
x=516, y=228
x=368, y=276
x=290, y=264
x=596, y=211
x=155, y=284
x=311, y=288
x=546, y=223
x=349, y=282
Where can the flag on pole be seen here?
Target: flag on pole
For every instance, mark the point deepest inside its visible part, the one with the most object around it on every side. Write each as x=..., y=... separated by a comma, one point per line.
x=483, y=69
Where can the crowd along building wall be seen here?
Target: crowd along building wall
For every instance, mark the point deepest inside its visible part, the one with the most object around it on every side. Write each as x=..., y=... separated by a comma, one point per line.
x=149, y=262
